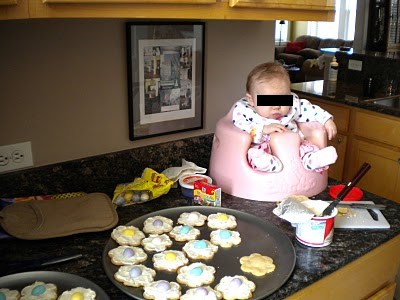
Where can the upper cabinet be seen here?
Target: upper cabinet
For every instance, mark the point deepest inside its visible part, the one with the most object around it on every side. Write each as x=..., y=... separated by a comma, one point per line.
x=176, y=9
x=14, y=9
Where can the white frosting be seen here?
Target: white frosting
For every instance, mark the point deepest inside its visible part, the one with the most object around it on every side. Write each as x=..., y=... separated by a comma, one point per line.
x=10, y=294
x=221, y=221
x=50, y=291
x=230, y=290
x=87, y=294
x=225, y=238
x=156, y=242
x=180, y=235
x=118, y=257
x=198, y=294
x=127, y=235
x=193, y=218
x=196, y=274
x=169, y=260
x=153, y=290
x=151, y=225
x=124, y=275
x=192, y=249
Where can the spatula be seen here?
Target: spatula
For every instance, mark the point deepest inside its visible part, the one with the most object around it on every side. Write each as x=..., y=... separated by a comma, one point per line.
x=360, y=174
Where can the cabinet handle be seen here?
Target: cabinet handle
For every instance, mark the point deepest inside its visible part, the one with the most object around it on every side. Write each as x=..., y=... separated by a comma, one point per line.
x=398, y=161
x=339, y=140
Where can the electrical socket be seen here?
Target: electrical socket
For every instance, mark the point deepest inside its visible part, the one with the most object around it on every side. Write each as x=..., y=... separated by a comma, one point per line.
x=15, y=156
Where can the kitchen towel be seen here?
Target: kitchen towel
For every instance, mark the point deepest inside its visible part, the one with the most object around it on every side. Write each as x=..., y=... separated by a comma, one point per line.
x=41, y=219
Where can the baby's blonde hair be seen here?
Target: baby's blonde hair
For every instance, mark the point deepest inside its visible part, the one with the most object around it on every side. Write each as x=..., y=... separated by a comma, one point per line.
x=266, y=72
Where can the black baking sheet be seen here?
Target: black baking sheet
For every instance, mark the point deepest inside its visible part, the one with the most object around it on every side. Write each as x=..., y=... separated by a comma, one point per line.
x=258, y=236
x=63, y=281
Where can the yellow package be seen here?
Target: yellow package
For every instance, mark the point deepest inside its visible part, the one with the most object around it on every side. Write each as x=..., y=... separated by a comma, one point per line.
x=150, y=186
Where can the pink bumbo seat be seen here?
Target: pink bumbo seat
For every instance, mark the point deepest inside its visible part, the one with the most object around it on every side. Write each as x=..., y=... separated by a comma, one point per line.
x=230, y=170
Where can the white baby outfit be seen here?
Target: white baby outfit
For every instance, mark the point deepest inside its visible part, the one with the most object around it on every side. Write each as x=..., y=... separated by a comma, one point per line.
x=259, y=155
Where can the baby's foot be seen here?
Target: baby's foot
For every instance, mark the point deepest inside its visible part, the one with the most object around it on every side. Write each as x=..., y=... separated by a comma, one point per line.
x=262, y=161
x=320, y=158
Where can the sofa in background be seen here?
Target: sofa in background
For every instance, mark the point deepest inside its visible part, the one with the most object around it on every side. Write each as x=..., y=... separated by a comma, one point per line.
x=303, y=52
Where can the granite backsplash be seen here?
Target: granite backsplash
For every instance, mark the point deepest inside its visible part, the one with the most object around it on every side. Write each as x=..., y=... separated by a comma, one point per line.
x=103, y=172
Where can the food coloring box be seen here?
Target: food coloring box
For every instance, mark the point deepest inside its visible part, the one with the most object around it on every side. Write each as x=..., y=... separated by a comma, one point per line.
x=206, y=194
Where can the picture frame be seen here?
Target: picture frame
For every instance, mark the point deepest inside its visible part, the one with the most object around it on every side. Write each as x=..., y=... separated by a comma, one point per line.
x=165, y=77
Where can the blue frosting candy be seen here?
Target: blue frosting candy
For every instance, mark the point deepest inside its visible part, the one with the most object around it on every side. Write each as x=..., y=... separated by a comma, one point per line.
x=128, y=252
x=236, y=282
x=163, y=286
x=38, y=290
x=201, y=292
x=185, y=229
x=2, y=296
x=225, y=234
x=196, y=271
x=200, y=244
x=158, y=222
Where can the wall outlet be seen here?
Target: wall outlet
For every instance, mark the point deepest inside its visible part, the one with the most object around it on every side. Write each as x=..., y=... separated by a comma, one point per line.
x=355, y=65
x=16, y=156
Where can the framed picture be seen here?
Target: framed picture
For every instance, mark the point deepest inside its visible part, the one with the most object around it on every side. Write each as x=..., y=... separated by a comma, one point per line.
x=165, y=77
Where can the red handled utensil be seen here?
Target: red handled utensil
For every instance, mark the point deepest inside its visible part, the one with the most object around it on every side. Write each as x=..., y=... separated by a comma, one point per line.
x=360, y=174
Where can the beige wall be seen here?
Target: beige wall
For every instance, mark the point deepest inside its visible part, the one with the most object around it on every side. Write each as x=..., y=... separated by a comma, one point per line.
x=63, y=83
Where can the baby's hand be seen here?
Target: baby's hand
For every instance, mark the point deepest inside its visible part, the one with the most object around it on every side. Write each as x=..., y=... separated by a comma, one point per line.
x=330, y=129
x=274, y=127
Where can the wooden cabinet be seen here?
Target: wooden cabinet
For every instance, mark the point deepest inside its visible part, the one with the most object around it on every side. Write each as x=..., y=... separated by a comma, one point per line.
x=377, y=141
x=372, y=276
x=13, y=9
x=341, y=116
x=173, y=9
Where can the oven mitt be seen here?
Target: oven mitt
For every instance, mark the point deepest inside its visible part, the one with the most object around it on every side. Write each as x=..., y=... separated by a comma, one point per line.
x=41, y=219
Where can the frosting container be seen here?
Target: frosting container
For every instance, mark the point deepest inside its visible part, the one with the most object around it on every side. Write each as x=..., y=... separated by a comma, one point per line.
x=187, y=183
x=318, y=231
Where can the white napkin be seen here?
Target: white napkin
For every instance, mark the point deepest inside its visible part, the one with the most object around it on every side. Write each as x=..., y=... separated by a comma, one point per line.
x=187, y=168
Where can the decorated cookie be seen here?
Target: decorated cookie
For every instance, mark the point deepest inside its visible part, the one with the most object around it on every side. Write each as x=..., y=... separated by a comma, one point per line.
x=136, y=276
x=196, y=275
x=225, y=238
x=6, y=294
x=39, y=290
x=257, y=264
x=200, y=249
x=201, y=293
x=162, y=290
x=127, y=255
x=156, y=242
x=193, y=218
x=221, y=221
x=235, y=287
x=78, y=293
x=183, y=233
x=157, y=225
x=127, y=235
x=169, y=260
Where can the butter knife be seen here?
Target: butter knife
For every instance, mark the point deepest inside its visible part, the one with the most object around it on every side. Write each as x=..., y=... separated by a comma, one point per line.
x=361, y=205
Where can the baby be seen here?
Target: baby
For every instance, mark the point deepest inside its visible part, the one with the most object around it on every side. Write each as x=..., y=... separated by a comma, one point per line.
x=270, y=107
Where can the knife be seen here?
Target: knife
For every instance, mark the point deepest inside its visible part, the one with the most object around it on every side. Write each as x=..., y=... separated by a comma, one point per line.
x=365, y=206
x=16, y=267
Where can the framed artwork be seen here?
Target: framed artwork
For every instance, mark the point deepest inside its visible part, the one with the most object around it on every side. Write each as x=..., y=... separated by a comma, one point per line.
x=165, y=77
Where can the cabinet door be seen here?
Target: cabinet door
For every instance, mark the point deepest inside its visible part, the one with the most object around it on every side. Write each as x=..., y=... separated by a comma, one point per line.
x=335, y=171
x=13, y=9
x=292, y=4
x=383, y=177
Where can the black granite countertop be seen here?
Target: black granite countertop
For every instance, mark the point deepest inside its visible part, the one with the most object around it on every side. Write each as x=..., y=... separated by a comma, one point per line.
x=312, y=263
x=348, y=93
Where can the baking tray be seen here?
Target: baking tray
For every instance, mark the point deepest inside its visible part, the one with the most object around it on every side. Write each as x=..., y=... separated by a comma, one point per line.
x=257, y=236
x=63, y=281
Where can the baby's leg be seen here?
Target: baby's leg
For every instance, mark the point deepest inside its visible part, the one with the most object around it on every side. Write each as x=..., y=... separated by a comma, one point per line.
x=315, y=159
x=261, y=159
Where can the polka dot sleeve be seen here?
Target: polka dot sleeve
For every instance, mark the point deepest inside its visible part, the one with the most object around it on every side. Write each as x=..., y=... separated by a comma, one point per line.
x=309, y=112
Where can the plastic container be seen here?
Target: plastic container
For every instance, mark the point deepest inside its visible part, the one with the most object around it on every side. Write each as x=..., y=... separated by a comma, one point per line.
x=317, y=232
x=333, y=70
x=355, y=193
x=187, y=183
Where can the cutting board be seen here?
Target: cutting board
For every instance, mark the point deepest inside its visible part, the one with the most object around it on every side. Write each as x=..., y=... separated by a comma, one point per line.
x=359, y=218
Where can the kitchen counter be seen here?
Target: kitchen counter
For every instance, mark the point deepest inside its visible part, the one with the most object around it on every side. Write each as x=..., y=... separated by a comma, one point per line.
x=346, y=93
x=313, y=264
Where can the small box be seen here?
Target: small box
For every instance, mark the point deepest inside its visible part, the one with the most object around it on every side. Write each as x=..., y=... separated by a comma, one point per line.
x=206, y=194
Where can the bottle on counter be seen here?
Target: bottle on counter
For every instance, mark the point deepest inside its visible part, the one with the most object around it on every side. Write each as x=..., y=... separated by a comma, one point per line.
x=333, y=69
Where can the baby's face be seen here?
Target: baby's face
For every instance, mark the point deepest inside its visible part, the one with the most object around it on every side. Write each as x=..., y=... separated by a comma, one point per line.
x=272, y=87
